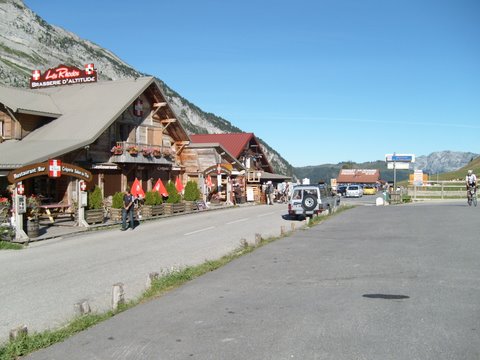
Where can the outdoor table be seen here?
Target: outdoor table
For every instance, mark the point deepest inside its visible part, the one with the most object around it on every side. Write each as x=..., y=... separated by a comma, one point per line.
x=52, y=210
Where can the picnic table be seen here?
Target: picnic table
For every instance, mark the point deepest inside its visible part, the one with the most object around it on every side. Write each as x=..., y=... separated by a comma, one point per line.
x=53, y=210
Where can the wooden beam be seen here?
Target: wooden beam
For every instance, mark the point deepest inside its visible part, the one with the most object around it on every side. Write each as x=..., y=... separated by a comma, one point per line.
x=167, y=122
x=158, y=106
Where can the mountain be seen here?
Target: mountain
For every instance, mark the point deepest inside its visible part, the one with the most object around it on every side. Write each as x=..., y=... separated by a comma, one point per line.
x=436, y=162
x=27, y=43
x=443, y=161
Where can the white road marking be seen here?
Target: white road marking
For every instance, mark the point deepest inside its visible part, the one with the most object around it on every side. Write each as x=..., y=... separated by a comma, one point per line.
x=197, y=231
x=237, y=221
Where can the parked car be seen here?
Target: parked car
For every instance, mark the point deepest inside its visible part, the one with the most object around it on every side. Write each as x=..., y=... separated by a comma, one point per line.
x=369, y=190
x=341, y=190
x=354, y=191
x=308, y=200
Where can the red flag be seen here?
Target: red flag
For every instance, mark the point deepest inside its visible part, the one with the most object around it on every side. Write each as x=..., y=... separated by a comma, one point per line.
x=137, y=190
x=178, y=184
x=209, y=182
x=160, y=188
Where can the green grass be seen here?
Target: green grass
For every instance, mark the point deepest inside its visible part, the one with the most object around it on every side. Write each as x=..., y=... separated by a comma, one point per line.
x=5, y=245
x=167, y=282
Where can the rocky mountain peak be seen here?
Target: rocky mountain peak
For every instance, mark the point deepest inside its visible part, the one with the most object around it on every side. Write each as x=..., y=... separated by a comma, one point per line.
x=27, y=43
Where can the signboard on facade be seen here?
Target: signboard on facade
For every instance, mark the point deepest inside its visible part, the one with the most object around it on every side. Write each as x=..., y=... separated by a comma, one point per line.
x=46, y=168
x=63, y=75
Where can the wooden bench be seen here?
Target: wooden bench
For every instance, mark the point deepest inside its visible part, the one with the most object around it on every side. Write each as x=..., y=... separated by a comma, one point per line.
x=54, y=210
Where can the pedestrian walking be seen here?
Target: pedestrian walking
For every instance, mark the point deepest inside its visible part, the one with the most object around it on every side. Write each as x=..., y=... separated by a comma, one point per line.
x=127, y=210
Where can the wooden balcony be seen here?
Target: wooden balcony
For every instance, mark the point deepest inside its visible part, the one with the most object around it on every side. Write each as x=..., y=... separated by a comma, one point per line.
x=127, y=152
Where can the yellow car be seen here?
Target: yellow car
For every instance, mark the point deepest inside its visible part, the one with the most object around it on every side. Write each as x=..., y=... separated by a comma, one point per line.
x=369, y=190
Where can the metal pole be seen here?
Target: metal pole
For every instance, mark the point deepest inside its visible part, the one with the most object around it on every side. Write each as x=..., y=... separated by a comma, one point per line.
x=395, y=177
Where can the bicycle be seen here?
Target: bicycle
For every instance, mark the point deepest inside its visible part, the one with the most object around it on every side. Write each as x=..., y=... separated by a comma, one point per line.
x=472, y=195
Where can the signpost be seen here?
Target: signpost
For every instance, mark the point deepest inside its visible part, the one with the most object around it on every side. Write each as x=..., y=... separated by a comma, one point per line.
x=398, y=161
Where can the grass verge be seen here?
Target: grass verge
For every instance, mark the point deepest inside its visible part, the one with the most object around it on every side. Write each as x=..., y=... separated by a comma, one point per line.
x=6, y=245
x=167, y=282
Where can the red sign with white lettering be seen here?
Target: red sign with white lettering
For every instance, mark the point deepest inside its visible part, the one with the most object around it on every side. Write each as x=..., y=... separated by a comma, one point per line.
x=63, y=75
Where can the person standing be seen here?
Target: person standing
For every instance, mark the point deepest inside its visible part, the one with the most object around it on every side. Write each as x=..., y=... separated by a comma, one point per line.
x=127, y=210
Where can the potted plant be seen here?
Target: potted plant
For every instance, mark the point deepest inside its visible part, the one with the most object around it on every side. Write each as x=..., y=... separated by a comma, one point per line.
x=117, y=206
x=94, y=213
x=132, y=150
x=4, y=209
x=33, y=211
x=192, y=194
x=117, y=150
x=7, y=232
x=156, y=152
x=147, y=152
x=173, y=204
x=153, y=204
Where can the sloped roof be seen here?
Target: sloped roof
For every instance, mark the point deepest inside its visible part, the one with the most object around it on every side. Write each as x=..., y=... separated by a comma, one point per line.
x=360, y=176
x=234, y=143
x=87, y=110
x=28, y=102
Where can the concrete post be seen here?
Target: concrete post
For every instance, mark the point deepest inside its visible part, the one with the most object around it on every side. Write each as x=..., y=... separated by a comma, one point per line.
x=118, y=296
x=18, y=332
x=82, y=307
x=292, y=225
x=258, y=239
x=150, y=278
x=282, y=230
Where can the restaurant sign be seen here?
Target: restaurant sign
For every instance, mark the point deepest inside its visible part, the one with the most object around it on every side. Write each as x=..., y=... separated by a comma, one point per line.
x=63, y=75
x=52, y=168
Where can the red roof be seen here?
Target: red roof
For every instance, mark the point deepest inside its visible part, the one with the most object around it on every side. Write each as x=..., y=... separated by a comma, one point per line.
x=359, y=176
x=234, y=143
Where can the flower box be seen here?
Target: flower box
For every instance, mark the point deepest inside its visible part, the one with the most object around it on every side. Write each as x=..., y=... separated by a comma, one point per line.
x=132, y=150
x=115, y=214
x=94, y=216
x=147, y=152
x=117, y=150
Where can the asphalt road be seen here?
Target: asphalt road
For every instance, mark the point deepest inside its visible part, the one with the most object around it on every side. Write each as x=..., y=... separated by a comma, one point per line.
x=394, y=282
x=40, y=285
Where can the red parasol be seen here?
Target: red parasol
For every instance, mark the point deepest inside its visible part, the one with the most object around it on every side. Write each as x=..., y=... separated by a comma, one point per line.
x=160, y=188
x=137, y=190
x=209, y=182
x=178, y=184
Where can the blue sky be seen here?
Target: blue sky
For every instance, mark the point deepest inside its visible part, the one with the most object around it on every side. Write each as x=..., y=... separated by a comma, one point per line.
x=321, y=81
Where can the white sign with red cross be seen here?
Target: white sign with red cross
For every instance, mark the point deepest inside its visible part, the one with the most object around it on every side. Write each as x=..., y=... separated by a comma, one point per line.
x=36, y=75
x=55, y=168
x=89, y=69
x=20, y=189
x=138, y=108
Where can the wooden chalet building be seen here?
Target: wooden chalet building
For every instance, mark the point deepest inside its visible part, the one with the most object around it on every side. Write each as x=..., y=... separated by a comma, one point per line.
x=118, y=130
x=359, y=176
x=246, y=149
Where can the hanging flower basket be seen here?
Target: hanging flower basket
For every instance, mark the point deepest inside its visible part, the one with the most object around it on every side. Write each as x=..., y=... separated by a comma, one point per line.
x=117, y=150
x=147, y=152
x=156, y=152
x=132, y=150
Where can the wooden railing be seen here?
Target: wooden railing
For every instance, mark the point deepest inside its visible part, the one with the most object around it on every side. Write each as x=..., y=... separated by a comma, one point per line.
x=438, y=190
x=147, y=150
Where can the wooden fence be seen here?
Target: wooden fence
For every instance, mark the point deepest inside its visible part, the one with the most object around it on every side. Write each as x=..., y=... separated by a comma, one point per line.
x=438, y=190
